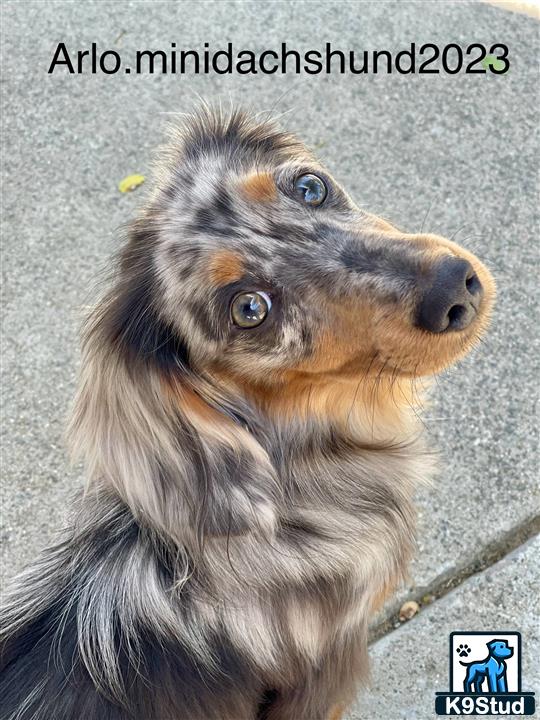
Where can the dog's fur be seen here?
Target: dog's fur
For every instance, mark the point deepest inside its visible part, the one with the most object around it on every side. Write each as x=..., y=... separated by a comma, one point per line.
x=249, y=496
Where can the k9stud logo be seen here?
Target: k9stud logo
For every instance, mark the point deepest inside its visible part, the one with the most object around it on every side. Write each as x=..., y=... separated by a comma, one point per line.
x=485, y=676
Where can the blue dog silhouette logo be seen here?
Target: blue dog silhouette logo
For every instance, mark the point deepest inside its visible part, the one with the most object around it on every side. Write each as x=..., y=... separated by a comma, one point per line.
x=492, y=669
x=485, y=676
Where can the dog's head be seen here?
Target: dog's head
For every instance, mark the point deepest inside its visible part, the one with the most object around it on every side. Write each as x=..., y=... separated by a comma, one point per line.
x=252, y=285
x=499, y=649
x=266, y=267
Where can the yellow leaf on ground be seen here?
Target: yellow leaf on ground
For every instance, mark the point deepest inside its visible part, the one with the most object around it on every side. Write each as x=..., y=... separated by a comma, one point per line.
x=131, y=182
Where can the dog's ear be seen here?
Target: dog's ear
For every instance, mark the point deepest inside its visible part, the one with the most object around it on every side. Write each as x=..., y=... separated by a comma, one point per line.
x=151, y=428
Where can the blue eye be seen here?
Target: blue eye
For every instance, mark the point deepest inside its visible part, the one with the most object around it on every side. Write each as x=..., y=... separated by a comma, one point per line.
x=250, y=309
x=311, y=189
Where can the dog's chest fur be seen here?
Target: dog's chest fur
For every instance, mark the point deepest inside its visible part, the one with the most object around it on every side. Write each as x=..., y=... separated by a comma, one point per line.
x=342, y=544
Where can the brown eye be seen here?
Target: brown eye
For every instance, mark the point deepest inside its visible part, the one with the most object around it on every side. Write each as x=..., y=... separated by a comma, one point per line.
x=311, y=189
x=250, y=309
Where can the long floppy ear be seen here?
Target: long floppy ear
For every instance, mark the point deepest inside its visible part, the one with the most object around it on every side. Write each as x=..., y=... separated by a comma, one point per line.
x=148, y=426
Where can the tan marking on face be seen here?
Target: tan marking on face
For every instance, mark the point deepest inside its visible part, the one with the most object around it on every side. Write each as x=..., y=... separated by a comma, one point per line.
x=347, y=335
x=260, y=187
x=225, y=267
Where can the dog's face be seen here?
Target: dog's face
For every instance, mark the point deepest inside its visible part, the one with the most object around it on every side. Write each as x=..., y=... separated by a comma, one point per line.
x=500, y=649
x=269, y=271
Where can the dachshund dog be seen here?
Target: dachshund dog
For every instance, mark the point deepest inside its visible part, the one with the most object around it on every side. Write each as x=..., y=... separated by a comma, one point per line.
x=248, y=416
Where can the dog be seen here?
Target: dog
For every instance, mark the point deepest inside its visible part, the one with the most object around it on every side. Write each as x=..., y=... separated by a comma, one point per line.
x=248, y=413
x=493, y=668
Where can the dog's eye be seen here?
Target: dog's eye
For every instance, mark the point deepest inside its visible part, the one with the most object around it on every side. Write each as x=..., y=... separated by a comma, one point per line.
x=311, y=189
x=250, y=309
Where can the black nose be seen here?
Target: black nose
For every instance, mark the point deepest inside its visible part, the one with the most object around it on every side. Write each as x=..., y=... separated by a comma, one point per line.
x=452, y=301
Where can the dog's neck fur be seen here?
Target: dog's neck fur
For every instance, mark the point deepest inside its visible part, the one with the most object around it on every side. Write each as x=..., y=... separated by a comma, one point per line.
x=203, y=479
x=140, y=430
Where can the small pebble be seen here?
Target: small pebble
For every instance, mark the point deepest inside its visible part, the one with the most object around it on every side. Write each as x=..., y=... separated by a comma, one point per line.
x=408, y=610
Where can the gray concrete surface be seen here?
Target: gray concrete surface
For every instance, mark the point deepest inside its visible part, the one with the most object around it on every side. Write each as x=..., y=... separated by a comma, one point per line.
x=452, y=154
x=411, y=664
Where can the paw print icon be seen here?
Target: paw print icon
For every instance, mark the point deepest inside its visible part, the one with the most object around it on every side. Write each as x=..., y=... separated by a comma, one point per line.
x=463, y=650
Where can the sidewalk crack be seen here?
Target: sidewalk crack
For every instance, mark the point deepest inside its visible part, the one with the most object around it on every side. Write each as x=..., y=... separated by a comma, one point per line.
x=448, y=581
